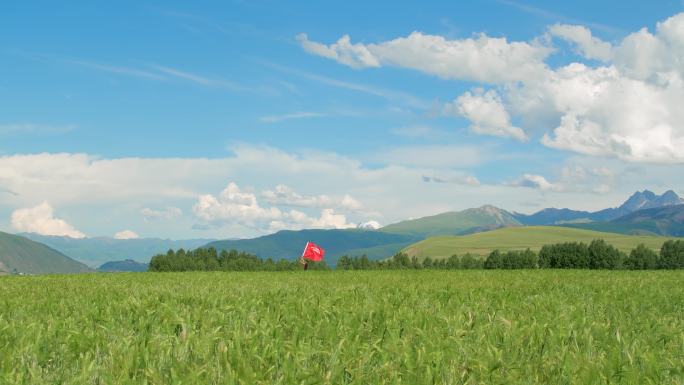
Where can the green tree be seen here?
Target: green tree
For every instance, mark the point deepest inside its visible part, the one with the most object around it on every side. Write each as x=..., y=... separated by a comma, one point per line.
x=671, y=255
x=402, y=260
x=529, y=259
x=494, y=260
x=469, y=261
x=604, y=256
x=453, y=263
x=344, y=263
x=642, y=258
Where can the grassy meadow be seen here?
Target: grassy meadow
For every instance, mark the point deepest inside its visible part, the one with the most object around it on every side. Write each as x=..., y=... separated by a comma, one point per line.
x=367, y=327
x=520, y=238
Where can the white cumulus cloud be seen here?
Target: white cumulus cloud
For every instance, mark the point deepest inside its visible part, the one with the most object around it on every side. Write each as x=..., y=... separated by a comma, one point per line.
x=284, y=195
x=234, y=206
x=481, y=58
x=627, y=107
x=487, y=114
x=613, y=115
x=369, y=225
x=126, y=234
x=343, y=51
x=537, y=182
x=167, y=213
x=41, y=220
x=587, y=45
x=296, y=220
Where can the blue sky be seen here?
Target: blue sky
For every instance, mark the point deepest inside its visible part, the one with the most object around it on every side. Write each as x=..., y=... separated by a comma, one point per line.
x=131, y=115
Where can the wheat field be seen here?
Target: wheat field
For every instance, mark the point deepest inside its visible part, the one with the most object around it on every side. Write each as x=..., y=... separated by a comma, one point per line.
x=363, y=327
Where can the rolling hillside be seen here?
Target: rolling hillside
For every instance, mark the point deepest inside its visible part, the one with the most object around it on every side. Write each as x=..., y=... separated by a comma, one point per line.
x=98, y=250
x=22, y=255
x=289, y=244
x=455, y=223
x=518, y=238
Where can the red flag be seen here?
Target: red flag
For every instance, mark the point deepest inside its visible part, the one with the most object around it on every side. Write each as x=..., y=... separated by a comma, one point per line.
x=313, y=252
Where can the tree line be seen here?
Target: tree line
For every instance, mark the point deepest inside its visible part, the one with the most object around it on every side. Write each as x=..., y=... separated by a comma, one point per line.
x=403, y=261
x=210, y=259
x=570, y=255
x=601, y=255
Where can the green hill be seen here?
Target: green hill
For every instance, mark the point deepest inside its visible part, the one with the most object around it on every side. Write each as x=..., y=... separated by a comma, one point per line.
x=289, y=244
x=120, y=266
x=455, y=223
x=22, y=255
x=519, y=238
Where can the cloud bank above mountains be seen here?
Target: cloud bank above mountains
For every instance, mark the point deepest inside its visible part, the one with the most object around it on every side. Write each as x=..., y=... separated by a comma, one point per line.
x=618, y=99
x=252, y=192
x=240, y=192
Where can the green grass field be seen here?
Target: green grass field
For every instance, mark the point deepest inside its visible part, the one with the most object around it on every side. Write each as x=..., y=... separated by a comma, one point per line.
x=368, y=327
x=520, y=238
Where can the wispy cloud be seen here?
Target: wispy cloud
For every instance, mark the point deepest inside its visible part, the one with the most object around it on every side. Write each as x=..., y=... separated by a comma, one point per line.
x=166, y=73
x=546, y=14
x=199, y=24
x=37, y=129
x=200, y=79
x=393, y=95
x=294, y=115
x=6, y=191
x=128, y=71
x=421, y=131
x=414, y=131
x=433, y=156
x=454, y=179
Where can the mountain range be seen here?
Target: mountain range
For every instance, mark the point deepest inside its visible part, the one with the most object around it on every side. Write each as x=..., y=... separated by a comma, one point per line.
x=98, y=250
x=640, y=200
x=666, y=220
x=644, y=213
x=658, y=215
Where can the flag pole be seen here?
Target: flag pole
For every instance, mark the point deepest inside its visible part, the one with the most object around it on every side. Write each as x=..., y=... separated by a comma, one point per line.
x=301, y=259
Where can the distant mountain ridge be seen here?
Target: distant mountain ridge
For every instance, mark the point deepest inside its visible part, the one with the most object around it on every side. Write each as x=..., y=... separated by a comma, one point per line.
x=640, y=200
x=98, y=250
x=468, y=221
x=289, y=244
x=667, y=220
x=22, y=255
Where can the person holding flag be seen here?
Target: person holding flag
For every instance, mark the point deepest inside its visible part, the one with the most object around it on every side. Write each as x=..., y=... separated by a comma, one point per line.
x=312, y=252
